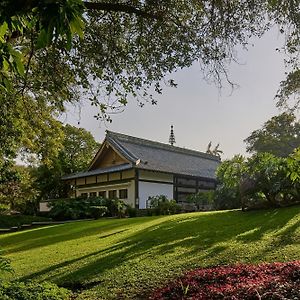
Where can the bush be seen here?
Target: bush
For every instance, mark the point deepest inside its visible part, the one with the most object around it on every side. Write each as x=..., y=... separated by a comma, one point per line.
x=4, y=209
x=69, y=209
x=131, y=212
x=32, y=290
x=202, y=200
x=240, y=282
x=8, y=221
x=98, y=211
x=161, y=205
x=82, y=208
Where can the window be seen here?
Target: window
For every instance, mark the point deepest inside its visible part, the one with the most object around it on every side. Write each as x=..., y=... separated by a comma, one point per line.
x=84, y=195
x=112, y=194
x=102, y=194
x=207, y=184
x=123, y=194
x=186, y=181
x=93, y=194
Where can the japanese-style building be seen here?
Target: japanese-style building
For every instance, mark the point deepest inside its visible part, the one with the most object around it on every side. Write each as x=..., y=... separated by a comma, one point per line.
x=133, y=169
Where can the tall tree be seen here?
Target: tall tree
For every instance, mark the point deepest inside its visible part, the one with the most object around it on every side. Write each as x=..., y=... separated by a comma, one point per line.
x=52, y=52
x=279, y=136
x=79, y=147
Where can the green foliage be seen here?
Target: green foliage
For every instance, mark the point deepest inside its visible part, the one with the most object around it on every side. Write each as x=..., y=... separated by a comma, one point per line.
x=262, y=180
x=202, y=200
x=32, y=290
x=131, y=211
x=81, y=208
x=78, y=148
x=5, y=266
x=4, y=208
x=98, y=211
x=161, y=205
x=47, y=61
x=18, y=191
x=288, y=88
x=51, y=23
x=69, y=209
x=130, y=257
x=279, y=136
x=229, y=174
x=8, y=221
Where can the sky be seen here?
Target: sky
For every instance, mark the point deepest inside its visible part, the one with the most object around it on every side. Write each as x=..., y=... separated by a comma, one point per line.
x=199, y=111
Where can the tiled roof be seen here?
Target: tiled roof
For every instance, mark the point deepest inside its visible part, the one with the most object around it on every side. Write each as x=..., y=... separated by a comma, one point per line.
x=155, y=156
x=98, y=171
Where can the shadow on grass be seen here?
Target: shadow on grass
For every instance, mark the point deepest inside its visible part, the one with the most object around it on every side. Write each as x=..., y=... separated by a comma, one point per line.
x=45, y=236
x=196, y=233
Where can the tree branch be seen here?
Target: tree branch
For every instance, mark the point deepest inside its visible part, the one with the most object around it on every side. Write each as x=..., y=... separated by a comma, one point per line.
x=118, y=7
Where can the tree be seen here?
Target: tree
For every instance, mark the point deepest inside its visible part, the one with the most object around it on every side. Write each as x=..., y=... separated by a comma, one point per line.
x=19, y=192
x=229, y=175
x=57, y=51
x=79, y=147
x=288, y=95
x=280, y=136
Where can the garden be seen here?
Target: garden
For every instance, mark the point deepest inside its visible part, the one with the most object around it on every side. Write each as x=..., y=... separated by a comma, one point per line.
x=140, y=258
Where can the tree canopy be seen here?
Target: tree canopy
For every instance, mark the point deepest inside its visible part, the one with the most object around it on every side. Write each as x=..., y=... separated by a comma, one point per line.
x=79, y=147
x=279, y=136
x=62, y=51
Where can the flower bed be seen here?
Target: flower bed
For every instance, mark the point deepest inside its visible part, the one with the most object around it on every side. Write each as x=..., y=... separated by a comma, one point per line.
x=265, y=281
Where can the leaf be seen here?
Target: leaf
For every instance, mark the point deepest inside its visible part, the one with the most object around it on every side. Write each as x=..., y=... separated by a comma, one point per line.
x=42, y=39
x=3, y=29
x=76, y=26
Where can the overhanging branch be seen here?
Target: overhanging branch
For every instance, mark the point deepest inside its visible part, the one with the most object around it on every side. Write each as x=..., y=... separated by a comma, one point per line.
x=118, y=7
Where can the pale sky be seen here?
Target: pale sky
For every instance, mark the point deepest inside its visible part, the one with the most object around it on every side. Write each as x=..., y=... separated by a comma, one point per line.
x=199, y=112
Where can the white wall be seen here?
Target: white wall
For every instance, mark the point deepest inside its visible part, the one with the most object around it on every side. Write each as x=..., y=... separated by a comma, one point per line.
x=44, y=207
x=147, y=189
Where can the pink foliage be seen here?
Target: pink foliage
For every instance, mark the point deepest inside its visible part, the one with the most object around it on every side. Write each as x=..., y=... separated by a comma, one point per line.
x=239, y=282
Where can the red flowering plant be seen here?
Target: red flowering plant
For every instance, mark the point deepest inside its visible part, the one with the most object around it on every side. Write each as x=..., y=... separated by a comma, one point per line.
x=239, y=282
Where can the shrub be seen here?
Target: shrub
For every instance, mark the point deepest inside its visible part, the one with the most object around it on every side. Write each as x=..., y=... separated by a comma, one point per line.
x=69, y=209
x=4, y=208
x=82, y=208
x=5, y=265
x=8, y=221
x=240, y=282
x=131, y=212
x=98, y=211
x=32, y=290
x=202, y=200
x=161, y=205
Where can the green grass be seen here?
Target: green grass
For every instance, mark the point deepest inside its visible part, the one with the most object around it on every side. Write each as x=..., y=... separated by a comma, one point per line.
x=127, y=258
x=18, y=220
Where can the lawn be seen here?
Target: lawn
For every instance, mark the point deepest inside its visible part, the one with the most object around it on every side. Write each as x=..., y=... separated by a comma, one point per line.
x=128, y=258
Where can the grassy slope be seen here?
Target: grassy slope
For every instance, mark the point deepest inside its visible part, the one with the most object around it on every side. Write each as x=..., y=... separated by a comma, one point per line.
x=129, y=257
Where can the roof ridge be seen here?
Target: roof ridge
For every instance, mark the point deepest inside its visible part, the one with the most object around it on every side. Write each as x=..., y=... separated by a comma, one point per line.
x=124, y=151
x=164, y=146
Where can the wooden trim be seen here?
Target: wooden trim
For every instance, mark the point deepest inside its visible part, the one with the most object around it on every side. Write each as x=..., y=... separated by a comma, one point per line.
x=155, y=181
x=174, y=189
x=136, y=190
x=105, y=183
x=180, y=175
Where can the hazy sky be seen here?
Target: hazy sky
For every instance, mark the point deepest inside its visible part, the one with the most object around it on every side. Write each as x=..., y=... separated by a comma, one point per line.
x=199, y=111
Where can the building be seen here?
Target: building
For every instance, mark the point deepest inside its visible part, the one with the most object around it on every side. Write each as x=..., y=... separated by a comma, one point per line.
x=132, y=169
